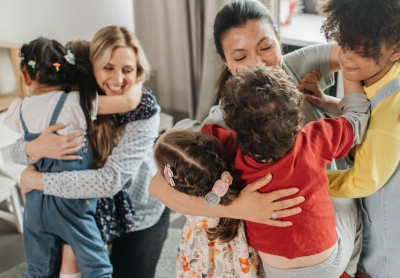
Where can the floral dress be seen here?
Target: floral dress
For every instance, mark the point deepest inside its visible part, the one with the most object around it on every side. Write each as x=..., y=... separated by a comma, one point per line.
x=199, y=257
x=114, y=216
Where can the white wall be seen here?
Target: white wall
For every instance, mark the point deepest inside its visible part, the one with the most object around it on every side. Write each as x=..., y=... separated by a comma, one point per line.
x=63, y=20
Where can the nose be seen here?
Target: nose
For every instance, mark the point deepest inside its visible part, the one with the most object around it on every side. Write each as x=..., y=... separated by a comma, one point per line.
x=117, y=77
x=346, y=56
x=255, y=59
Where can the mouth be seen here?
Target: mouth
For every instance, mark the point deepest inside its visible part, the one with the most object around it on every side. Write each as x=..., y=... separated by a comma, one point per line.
x=115, y=89
x=349, y=69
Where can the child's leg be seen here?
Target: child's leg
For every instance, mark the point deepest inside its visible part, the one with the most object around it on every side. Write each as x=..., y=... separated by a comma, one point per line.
x=80, y=231
x=69, y=264
x=41, y=251
x=41, y=247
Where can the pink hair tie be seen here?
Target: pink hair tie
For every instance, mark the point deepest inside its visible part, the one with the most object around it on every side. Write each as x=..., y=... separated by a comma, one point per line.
x=219, y=189
x=168, y=174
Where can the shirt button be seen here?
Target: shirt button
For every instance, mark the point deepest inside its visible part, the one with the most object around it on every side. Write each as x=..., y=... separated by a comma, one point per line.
x=85, y=150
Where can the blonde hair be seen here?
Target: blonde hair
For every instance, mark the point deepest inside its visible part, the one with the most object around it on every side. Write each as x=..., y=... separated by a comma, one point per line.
x=112, y=37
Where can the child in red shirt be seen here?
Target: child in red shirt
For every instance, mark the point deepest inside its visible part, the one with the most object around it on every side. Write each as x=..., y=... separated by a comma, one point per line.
x=263, y=108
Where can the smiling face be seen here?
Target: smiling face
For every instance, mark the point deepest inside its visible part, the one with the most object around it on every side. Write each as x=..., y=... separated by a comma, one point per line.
x=119, y=74
x=355, y=67
x=252, y=44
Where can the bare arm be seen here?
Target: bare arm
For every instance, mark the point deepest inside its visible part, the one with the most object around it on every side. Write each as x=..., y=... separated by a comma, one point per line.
x=125, y=102
x=251, y=205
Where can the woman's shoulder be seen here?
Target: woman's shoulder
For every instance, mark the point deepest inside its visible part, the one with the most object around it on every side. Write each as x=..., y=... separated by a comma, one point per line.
x=146, y=109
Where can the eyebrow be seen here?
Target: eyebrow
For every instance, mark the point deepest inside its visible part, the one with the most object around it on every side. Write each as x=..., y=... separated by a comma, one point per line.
x=241, y=49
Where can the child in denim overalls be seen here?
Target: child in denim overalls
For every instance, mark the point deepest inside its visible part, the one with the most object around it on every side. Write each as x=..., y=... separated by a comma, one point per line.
x=50, y=71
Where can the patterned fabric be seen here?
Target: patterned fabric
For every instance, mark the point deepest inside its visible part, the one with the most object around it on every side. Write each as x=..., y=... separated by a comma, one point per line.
x=146, y=109
x=114, y=216
x=200, y=258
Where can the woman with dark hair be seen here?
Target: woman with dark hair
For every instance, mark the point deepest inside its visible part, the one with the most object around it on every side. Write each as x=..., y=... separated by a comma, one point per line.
x=245, y=35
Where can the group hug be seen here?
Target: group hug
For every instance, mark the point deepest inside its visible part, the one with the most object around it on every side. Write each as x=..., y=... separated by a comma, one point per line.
x=256, y=179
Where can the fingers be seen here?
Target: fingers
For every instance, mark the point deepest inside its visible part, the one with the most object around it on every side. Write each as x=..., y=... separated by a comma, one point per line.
x=287, y=212
x=314, y=100
x=56, y=127
x=318, y=74
x=287, y=203
x=258, y=184
x=31, y=167
x=278, y=194
x=309, y=78
x=314, y=88
x=73, y=136
x=278, y=223
x=74, y=146
x=71, y=157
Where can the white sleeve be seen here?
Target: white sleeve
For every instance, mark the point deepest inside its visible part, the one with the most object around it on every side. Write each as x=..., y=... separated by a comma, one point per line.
x=12, y=119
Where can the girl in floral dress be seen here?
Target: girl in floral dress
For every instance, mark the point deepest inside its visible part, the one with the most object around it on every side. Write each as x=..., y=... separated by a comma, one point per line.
x=194, y=164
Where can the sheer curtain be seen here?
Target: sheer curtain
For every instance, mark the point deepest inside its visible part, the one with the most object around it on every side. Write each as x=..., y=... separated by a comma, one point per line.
x=177, y=36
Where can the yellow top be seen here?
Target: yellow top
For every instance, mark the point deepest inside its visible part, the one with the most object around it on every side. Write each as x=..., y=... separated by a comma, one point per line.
x=379, y=154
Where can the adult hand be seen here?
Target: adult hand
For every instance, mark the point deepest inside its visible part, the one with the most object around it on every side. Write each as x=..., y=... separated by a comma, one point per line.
x=310, y=82
x=54, y=146
x=30, y=179
x=258, y=207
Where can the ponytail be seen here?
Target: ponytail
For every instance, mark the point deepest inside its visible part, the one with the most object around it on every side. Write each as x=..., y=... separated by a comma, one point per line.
x=220, y=85
x=86, y=81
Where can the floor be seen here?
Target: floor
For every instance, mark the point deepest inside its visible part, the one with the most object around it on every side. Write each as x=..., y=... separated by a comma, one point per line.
x=12, y=248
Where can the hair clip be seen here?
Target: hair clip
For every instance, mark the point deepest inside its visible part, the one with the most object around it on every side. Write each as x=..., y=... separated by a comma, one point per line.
x=169, y=175
x=219, y=189
x=40, y=37
x=32, y=64
x=25, y=43
x=57, y=65
x=70, y=57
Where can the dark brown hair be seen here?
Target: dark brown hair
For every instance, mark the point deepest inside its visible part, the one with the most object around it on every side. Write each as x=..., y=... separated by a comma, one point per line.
x=197, y=162
x=45, y=53
x=234, y=15
x=361, y=25
x=102, y=138
x=263, y=107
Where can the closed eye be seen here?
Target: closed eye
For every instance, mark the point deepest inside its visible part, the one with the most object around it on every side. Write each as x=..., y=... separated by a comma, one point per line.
x=267, y=47
x=237, y=60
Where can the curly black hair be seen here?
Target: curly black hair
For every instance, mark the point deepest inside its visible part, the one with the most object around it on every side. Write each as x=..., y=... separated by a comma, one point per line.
x=263, y=107
x=361, y=25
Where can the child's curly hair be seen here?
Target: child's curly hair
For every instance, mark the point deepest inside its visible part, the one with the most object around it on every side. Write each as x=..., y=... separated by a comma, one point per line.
x=263, y=107
x=361, y=25
x=197, y=162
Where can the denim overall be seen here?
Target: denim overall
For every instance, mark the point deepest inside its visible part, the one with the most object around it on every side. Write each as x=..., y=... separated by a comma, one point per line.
x=50, y=220
x=380, y=255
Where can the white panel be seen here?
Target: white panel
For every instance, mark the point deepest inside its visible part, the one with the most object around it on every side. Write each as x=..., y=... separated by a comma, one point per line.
x=63, y=20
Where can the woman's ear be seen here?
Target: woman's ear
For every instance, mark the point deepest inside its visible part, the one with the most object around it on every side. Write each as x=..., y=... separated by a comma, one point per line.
x=395, y=52
x=25, y=78
x=223, y=61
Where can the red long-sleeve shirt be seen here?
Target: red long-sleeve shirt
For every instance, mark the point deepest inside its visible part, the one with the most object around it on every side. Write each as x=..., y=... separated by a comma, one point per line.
x=313, y=230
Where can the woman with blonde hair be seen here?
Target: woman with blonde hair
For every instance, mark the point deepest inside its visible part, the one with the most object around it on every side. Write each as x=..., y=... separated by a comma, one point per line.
x=123, y=151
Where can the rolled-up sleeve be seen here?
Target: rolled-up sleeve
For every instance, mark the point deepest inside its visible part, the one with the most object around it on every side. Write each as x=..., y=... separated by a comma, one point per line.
x=134, y=149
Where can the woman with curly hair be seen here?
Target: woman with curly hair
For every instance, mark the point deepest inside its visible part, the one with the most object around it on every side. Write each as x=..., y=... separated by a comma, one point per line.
x=368, y=33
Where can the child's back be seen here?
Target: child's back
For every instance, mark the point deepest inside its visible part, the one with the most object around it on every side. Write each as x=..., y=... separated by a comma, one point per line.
x=263, y=108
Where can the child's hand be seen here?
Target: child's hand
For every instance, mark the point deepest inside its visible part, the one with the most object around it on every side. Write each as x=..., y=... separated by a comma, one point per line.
x=310, y=82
